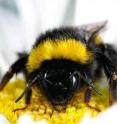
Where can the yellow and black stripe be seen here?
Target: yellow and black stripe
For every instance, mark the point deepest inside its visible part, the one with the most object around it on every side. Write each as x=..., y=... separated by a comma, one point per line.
x=70, y=49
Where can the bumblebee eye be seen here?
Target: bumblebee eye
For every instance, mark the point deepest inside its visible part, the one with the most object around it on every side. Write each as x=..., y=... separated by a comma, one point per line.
x=73, y=80
x=45, y=75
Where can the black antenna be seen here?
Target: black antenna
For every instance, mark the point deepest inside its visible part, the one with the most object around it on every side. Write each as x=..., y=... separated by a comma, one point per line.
x=31, y=83
x=89, y=82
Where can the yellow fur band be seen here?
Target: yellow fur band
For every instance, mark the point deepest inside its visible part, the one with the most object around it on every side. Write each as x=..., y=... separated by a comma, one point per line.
x=67, y=49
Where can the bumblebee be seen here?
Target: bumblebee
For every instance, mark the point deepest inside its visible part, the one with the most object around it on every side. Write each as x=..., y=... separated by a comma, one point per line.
x=63, y=61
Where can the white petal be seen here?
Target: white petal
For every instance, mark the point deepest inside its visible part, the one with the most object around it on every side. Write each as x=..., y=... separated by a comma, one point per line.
x=27, y=119
x=86, y=120
x=3, y=120
x=107, y=117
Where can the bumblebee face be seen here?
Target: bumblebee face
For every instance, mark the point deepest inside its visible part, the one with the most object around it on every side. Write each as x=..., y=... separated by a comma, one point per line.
x=59, y=85
x=58, y=82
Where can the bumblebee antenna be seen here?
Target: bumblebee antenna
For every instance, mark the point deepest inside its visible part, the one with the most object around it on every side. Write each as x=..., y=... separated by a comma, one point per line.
x=31, y=83
x=94, y=88
x=89, y=82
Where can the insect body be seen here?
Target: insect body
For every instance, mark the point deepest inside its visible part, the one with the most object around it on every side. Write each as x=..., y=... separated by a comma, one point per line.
x=64, y=60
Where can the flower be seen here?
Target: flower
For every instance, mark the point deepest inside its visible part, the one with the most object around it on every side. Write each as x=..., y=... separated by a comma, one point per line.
x=41, y=109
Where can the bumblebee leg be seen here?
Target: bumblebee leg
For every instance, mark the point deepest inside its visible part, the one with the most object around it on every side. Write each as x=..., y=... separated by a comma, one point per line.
x=18, y=66
x=19, y=109
x=112, y=76
x=28, y=96
x=87, y=97
x=28, y=90
x=110, y=67
x=88, y=94
x=113, y=89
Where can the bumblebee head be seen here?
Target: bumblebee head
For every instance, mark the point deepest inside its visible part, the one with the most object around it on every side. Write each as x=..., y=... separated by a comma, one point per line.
x=59, y=81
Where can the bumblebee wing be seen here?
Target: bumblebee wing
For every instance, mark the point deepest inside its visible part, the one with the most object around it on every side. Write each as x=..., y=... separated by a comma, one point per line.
x=15, y=68
x=92, y=29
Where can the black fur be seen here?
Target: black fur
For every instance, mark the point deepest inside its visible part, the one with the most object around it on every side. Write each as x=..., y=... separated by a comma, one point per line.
x=61, y=33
